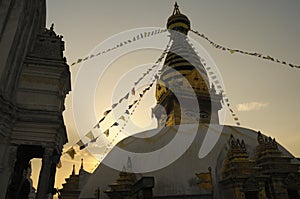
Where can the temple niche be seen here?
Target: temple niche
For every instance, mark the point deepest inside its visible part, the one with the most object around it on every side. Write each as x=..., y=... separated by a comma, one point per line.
x=34, y=81
x=242, y=164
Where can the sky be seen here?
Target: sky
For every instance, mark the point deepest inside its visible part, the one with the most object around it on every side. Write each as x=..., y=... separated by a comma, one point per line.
x=265, y=95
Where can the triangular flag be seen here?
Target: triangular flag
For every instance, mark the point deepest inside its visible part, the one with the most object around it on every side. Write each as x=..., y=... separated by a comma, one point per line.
x=114, y=105
x=80, y=143
x=71, y=152
x=205, y=181
x=106, y=132
x=106, y=112
x=95, y=139
x=90, y=135
x=133, y=91
x=121, y=100
x=268, y=57
x=101, y=119
x=232, y=51
x=126, y=96
x=115, y=124
x=83, y=146
x=97, y=125
x=122, y=118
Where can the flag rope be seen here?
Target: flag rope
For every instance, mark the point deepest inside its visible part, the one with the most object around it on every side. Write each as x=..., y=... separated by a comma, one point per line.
x=141, y=95
x=120, y=44
x=255, y=54
x=71, y=151
x=216, y=83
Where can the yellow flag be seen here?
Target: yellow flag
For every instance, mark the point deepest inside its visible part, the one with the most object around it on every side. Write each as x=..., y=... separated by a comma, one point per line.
x=232, y=51
x=205, y=181
x=90, y=135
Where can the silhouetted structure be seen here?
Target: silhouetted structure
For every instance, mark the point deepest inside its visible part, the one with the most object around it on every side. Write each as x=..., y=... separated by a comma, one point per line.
x=74, y=184
x=34, y=81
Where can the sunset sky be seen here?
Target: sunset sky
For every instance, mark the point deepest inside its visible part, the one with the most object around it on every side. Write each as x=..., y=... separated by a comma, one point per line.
x=265, y=95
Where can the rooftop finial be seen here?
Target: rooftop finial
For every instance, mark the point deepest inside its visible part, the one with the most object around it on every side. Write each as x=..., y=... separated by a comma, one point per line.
x=176, y=9
x=73, y=172
x=81, y=167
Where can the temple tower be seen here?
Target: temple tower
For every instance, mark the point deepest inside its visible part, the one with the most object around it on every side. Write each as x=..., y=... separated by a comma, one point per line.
x=34, y=81
x=183, y=91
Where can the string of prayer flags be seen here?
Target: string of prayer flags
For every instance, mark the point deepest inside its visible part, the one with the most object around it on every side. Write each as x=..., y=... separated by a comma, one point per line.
x=120, y=44
x=219, y=87
x=130, y=106
x=90, y=134
x=255, y=54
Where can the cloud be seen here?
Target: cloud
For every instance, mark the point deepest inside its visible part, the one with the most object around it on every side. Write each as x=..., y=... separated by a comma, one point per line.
x=251, y=106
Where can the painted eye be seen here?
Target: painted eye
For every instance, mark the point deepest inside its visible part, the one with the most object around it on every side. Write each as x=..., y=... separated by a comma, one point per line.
x=203, y=114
